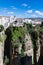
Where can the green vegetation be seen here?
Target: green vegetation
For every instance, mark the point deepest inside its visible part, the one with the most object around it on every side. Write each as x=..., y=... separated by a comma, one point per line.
x=22, y=52
x=2, y=34
x=2, y=37
x=41, y=29
x=17, y=36
x=1, y=28
x=6, y=60
x=34, y=37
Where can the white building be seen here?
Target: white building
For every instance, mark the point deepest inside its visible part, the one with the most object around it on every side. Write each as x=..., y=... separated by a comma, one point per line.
x=6, y=20
x=18, y=22
x=36, y=22
x=27, y=20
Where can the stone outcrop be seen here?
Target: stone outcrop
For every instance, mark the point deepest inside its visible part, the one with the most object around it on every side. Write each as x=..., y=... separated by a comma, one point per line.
x=2, y=39
x=41, y=43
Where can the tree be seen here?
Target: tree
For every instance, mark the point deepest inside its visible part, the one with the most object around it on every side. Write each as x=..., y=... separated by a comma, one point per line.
x=1, y=28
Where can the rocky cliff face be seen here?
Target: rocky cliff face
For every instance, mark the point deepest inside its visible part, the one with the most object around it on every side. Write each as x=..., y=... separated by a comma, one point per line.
x=28, y=46
x=41, y=43
x=2, y=39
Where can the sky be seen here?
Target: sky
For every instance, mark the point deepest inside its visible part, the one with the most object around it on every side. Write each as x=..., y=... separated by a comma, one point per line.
x=21, y=8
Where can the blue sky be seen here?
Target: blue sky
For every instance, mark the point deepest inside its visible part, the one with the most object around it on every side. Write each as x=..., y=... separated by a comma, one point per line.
x=21, y=8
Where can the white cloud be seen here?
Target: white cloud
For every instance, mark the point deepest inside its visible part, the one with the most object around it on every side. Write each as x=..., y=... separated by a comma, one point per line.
x=24, y=4
x=13, y=7
x=4, y=9
x=29, y=11
x=10, y=12
x=39, y=12
x=34, y=15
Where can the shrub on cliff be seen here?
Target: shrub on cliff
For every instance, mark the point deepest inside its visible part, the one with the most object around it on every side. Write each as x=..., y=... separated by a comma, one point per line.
x=1, y=28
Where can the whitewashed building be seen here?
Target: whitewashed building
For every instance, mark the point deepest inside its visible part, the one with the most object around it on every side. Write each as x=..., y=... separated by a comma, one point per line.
x=6, y=20
x=27, y=20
